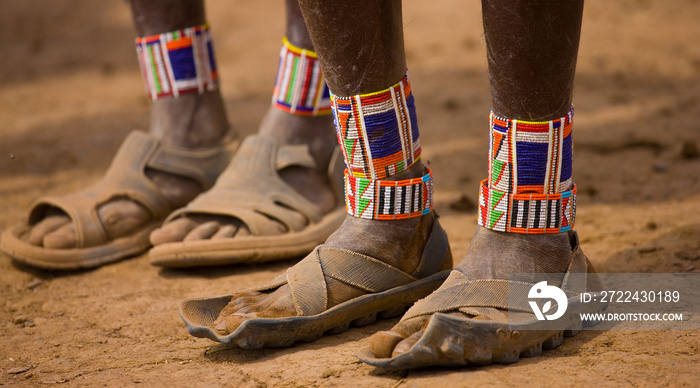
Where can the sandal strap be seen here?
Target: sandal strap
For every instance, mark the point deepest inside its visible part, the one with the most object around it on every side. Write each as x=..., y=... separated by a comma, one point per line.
x=307, y=279
x=460, y=293
x=126, y=178
x=475, y=293
x=361, y=271
x=251, y=190
x=203, y=166
x=308, y=284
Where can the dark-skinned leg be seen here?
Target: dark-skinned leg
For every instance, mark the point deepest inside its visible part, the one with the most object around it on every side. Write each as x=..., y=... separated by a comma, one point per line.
x=188, y=121
x=532, y=74
x=286, y=128
x=354, y=67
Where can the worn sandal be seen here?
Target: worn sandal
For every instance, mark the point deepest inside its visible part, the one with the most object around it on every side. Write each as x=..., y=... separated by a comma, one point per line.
x=390, y=292
x=251, y=191
x=485, y=334
x=125, y=178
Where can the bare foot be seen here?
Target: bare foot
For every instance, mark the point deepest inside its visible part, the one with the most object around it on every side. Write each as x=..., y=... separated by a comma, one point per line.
x=190, y=121
x=491, y=255
x=311, y=183
x=398, y=243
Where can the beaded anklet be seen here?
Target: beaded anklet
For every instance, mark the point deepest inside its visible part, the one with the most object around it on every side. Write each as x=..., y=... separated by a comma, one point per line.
x=388, y=200
x=178, y=62
x=299, y=87
x=526, y=213
x=530, y=188
x=378, y=132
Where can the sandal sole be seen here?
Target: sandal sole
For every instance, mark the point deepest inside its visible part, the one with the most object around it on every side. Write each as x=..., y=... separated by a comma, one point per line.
x=456, y=341
x=76, y=258
x=199, y=314
x=256, y=249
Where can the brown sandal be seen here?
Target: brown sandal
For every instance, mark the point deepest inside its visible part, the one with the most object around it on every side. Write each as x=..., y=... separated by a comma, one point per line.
x=125, y=178
x=485, y=334
x=251, y=191
x=389, y=292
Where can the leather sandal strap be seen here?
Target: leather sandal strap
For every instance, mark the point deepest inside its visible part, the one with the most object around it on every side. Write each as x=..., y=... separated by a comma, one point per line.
x=476, y=293
x=307, y=279
x=307, y=284
x=361, y=271
x=203, y=166
x=251, y=190
x=460, y=293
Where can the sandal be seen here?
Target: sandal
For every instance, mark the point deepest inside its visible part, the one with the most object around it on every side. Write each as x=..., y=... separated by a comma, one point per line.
x=251, y=191
x=390, y=292
x=485, y=334
x=125, y=178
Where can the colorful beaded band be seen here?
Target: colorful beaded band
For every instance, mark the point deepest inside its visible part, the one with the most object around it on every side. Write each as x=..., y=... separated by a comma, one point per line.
x=178, y=62
x=529, y=167
x=531, y=157
x=378, y=132
x=299, y=86
x=526, y=213
x=388, y=200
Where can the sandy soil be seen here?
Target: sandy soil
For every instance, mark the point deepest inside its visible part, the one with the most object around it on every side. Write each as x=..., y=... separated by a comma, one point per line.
x=71, y=91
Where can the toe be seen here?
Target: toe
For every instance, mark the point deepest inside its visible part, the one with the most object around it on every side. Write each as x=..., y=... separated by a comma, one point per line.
x=46, y=226
x=203, y=231
x=406, y=344
x=172, y=231
x=242, y=231
x=61, y=238
x=239, y=301
x=382, y=343
x=121, y=217
x=230, y=323
x=399, y=339
x=254, y=304
x=225, y=231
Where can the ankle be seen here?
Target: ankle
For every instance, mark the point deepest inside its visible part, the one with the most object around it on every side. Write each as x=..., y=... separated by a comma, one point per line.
x=289, y=129
x=495, y=254
x=190, y=121
x=180, y=75
x=399, y=243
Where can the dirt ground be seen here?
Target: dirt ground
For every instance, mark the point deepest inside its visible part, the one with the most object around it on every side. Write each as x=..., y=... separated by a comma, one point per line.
x=71, y=91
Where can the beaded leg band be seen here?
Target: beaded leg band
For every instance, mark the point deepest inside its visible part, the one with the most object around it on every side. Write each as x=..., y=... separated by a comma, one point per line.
x=299, y=87
x=526, y=213
x=178, y=62
x=389, y=200
x=530, y=188
x=378, y=132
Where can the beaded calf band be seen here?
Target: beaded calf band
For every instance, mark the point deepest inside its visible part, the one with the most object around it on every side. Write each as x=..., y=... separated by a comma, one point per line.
x=378, y=132
x=529, y=167
x=527, y=156
x=299, y=86
x=178, y=62
x=526, y=213
x=388, y=200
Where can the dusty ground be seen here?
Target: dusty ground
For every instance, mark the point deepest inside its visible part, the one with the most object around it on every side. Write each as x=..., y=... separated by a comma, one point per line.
x=71, y=91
